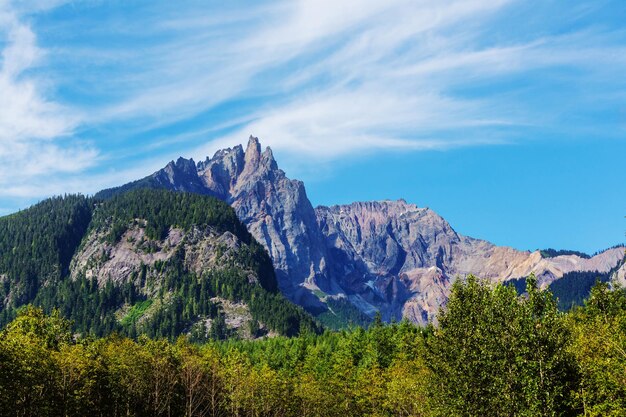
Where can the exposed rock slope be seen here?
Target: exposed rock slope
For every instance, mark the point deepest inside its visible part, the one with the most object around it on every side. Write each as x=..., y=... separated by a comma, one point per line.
x=402, y=258
x=122, y=261
x=276, y=211
x=619, y=277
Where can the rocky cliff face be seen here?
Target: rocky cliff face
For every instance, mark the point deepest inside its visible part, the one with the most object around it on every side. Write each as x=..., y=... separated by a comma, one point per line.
x=388, y=256
x=122, y=261
x=276, y=211
x=402, y=259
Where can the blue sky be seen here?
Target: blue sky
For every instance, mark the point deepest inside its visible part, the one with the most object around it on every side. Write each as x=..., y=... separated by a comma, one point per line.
x=507, y=117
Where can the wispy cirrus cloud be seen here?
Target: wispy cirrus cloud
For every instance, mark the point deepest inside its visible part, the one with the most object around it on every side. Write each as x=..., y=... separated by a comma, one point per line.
x=92, y=90
x=418, y=75
x=330, y=78
x=35, y=129
x=328, y=72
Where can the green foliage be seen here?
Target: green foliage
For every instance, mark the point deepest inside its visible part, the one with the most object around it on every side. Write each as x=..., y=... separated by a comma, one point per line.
x=36, y=246
x=162, y=210
x=358, y=373
x=136, y=312
x=342, y=314
x=493, y=353
x=552, y=253
x=51, y=331
x=44, y=238
x=497, y=354
x=600, y=350
x=165, y=209
x=572, y=289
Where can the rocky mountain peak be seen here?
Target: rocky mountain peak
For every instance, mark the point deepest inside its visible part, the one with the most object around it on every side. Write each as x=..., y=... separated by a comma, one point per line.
x=253, y=151
x=188, y=166
x=389, y=255
x=275, y=209
x=267, y=160
x=181, y=175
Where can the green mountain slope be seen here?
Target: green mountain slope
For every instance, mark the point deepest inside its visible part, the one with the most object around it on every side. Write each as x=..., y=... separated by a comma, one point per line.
x=144, y=262
x=36, y=246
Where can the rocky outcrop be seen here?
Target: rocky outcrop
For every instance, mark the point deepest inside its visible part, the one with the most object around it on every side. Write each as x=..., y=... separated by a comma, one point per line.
x=123, y=261
x=619, y=276
x=181, y=175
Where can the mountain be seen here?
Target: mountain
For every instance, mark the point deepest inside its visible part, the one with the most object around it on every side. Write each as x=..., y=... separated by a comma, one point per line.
x=144, y=261
x=353, y=260
x=275, y=209
x=402, y=258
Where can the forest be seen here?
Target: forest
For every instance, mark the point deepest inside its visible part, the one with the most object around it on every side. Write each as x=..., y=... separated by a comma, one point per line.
x=37, y=245
x=492, y=353
x=552, y=253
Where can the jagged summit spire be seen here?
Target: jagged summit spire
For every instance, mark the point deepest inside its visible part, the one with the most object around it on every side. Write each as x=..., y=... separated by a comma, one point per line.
x=267, y=158
x=253, y=145
x=252, y=156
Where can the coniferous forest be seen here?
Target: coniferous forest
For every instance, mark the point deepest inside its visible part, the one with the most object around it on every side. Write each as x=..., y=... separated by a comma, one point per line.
x=493, y=353
x=73, y=346
x=37, y=245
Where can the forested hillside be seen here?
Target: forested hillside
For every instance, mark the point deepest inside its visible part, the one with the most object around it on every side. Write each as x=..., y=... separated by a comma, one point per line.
x=573, y=288
x=148, y=262
x=493, y=353
x=553, y=253
x=36, y=247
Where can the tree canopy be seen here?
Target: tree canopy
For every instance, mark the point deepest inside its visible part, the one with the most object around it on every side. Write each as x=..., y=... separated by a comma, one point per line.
x=493, y=353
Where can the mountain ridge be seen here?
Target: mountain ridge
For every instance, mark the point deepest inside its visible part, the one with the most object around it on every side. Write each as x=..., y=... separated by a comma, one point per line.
x=389, y=255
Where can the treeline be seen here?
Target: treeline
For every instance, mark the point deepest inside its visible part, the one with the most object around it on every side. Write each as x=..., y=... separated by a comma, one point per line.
x=493, y=353
x=37, y=245
x=165, y=209
x=573, y=288
x=342, y=314
x=552, y=253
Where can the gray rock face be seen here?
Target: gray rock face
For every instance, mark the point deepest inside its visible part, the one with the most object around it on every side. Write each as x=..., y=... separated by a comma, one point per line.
x=388, y=252
x=276, y=211
x=119, y=262
x=180, y=176
x=387, y=256
x=619, y=276
x=402, y=259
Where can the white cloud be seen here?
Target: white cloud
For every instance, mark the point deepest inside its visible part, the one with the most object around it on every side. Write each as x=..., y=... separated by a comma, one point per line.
x=323, y=78
x=352, y=46
x=360, y=74
x=33, y=128
x=340, y=123
x=390, y=78
x=212, y=60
